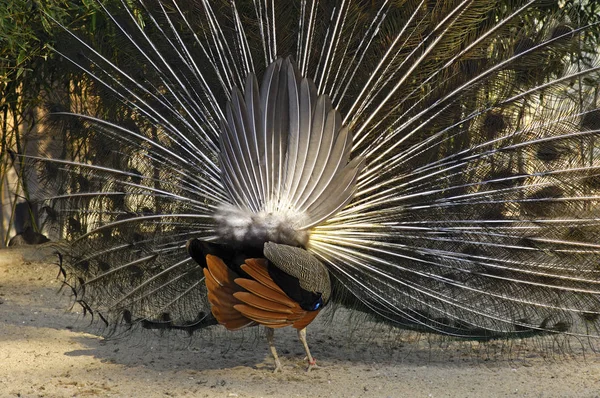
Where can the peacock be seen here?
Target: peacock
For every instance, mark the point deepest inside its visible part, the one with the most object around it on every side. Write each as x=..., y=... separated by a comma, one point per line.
x=433, y=164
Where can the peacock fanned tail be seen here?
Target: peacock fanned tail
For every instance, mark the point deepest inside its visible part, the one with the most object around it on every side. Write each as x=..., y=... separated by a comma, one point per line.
x=439, y=158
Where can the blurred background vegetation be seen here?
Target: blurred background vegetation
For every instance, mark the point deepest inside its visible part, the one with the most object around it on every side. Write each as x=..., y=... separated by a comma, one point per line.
x=36, y=82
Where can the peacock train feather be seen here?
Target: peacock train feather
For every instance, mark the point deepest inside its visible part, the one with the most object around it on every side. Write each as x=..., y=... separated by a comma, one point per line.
x=439, y=158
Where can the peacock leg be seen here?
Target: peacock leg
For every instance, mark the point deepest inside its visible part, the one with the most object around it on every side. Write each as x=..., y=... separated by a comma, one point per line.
x=271, y=340
x=312, y=363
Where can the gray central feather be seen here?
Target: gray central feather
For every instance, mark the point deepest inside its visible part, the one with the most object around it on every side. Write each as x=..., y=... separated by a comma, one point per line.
x=284, y=160
x=310, y=272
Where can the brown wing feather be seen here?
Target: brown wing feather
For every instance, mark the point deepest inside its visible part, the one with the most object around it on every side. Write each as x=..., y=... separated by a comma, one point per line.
x=257, y=269
x=264, y=292
x=306, y=319
x=265, y=302
x=267, y=305
x=238, y=323
x=221, y=288
x=223, y=306
x=257, y=266
x=219, y=270
x=240, y=302
x=265, y=317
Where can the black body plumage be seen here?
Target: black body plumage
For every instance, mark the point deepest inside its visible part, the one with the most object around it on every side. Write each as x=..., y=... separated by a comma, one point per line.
x=439, y=159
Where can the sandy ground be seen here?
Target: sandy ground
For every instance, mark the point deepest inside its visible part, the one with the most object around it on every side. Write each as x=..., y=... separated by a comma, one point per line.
x=46, y=350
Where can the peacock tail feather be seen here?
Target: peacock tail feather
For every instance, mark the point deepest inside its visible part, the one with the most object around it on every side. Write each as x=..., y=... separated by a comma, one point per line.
x=439, y=157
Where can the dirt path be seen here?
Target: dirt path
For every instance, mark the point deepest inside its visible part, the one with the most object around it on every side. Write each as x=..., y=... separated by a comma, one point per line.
x=48, y=351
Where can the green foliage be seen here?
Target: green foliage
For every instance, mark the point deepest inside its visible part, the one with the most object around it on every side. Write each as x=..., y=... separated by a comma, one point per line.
x=31, y=71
